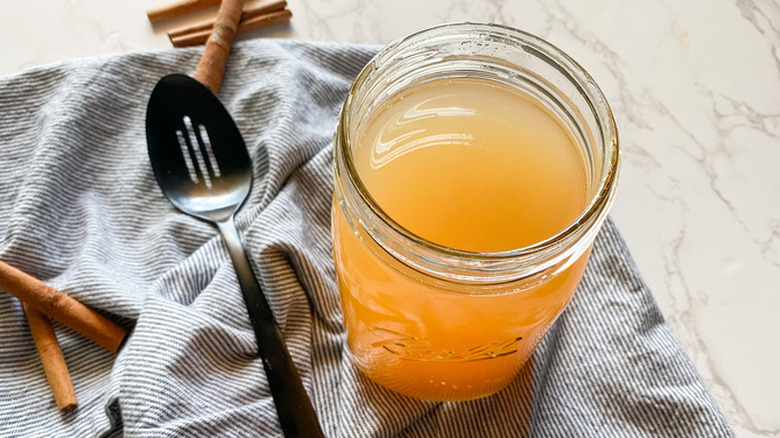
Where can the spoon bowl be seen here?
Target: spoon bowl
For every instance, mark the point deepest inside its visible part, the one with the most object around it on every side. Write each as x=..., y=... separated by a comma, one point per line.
x=184, y=121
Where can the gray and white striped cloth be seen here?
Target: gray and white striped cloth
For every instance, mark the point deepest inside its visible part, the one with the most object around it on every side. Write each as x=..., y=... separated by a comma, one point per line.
x=81, y=210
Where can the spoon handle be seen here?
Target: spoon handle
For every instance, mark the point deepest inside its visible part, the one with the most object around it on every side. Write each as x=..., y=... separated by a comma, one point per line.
x=294, y=409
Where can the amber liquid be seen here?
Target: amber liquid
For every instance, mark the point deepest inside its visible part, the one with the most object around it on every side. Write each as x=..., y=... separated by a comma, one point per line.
x=472, y=165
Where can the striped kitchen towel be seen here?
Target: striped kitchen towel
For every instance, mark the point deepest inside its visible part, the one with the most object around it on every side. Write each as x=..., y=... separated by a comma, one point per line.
x=81, y=210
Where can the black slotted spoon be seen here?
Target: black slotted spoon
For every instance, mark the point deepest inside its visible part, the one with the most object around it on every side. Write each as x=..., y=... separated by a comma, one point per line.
x=202, y=166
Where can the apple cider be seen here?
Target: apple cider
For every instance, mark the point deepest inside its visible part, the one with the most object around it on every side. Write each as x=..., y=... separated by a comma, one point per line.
x=447, y=192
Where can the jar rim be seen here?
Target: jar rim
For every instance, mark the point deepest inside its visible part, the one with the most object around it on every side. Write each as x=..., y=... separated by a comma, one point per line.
x=592, y=215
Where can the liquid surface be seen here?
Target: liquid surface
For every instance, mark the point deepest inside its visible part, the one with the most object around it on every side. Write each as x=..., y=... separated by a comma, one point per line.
x=472, y=165
x=475, y=166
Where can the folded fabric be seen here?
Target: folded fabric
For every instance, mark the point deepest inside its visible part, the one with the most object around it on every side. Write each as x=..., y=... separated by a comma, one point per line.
x=82, y=211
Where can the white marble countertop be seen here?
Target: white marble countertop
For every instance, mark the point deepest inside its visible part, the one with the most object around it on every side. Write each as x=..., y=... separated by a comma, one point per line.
x=695, y=87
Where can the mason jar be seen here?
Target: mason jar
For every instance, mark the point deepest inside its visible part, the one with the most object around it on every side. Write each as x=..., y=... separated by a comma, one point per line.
x=474, y=165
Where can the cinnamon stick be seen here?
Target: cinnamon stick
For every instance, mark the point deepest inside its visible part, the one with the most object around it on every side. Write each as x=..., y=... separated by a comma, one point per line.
x=51, y=358
x=61, y=307
x=179, y=8
x=215, y=55
x=251, y=11
x=197, y=37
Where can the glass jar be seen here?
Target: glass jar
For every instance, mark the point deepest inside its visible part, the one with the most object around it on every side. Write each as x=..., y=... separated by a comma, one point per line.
x=435, y=321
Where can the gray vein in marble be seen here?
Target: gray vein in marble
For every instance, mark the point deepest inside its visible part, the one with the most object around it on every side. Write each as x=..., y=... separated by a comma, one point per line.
x=766, y=16
x=745, y=117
